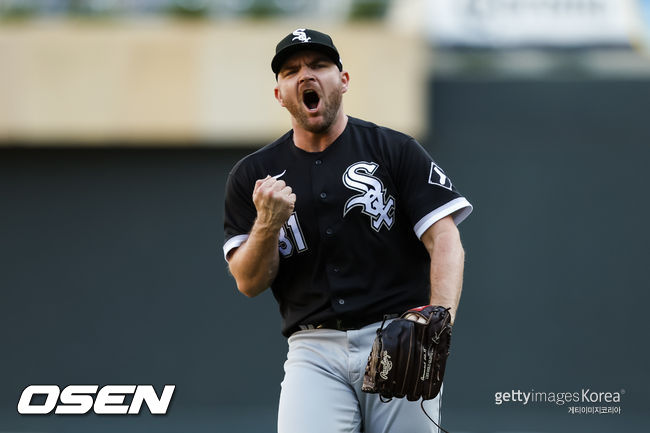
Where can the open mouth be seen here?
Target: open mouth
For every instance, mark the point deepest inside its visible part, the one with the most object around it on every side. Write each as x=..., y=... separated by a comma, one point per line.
x=311, y=99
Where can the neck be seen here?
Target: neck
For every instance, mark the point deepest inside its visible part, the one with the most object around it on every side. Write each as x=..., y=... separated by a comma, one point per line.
x=317, y=142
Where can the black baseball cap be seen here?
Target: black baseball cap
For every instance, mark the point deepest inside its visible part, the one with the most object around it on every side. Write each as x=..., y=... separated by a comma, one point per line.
x=304, y=39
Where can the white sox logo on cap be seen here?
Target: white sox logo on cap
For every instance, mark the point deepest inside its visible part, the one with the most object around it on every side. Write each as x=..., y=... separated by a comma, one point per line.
x=301, y=35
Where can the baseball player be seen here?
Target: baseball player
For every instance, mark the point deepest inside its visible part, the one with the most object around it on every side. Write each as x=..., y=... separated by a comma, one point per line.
x=347, y=222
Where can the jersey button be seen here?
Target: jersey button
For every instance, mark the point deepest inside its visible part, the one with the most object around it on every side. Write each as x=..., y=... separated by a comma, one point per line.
x=323, y=195
x=336, y=270
x=341, y=302
x=329, y=231
x=318, y=162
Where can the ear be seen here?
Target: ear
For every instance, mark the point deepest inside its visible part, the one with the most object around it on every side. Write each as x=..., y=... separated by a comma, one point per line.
x=278, y=95
x=345, y=80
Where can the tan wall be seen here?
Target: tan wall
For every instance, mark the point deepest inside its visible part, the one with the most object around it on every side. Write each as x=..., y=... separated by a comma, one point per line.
x=164, y=82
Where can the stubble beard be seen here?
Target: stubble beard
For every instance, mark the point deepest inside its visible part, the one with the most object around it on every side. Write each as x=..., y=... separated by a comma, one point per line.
x=331, y=105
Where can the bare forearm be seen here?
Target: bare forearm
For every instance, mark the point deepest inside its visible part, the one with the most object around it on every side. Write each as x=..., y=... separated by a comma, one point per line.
x=447, y=265
x=255, y=263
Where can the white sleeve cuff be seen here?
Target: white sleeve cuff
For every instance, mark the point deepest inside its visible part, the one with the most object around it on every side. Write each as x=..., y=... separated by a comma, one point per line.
x=232, y=243
x=459, y=205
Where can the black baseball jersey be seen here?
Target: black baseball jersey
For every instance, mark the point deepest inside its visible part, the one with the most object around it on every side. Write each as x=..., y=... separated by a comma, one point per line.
x=351, y=247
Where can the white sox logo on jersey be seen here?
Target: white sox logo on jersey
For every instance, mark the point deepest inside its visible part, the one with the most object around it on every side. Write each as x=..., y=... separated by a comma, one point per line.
x=373, y=200
x=301, y=35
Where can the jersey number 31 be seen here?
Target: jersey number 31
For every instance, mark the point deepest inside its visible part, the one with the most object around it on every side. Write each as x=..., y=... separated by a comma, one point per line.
x=291, y=237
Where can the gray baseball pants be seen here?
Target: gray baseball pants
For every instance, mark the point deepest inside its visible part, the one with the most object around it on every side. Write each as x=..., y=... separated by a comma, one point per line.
x=321, y=390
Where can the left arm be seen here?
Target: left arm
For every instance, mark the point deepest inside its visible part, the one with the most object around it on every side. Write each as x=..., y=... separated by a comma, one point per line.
x=442, y=241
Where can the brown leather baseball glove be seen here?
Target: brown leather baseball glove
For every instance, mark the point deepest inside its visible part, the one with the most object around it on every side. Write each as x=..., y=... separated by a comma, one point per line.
x=408, y=356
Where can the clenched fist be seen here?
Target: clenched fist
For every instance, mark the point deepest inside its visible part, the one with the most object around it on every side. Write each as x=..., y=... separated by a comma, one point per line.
x=274, y=202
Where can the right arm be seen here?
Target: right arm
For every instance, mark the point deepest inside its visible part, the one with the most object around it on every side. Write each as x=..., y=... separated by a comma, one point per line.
x=254, y=264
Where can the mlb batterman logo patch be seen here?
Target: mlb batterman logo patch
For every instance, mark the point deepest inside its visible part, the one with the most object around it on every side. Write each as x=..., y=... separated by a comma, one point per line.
x=438, y=177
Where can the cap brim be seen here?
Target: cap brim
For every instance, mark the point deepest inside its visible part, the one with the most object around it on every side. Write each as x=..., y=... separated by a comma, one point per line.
x=284, y=54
